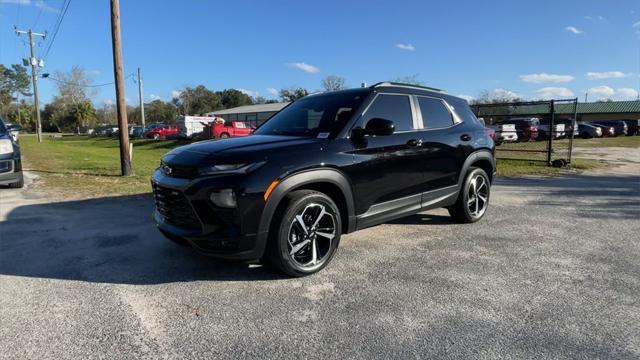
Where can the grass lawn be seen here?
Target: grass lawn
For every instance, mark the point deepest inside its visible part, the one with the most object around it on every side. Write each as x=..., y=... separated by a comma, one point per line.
x=86, y=166
x=80, y=166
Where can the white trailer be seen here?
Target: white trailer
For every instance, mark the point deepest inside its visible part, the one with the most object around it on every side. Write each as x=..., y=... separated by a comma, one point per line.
x=188, y=126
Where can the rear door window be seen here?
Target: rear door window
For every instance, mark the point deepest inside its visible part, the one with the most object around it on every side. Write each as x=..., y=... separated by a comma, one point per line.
x=396, y=108
x=435, y=113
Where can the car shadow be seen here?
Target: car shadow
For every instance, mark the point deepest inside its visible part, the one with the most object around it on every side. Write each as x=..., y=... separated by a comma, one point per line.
x=106, y=240
x=423, y=219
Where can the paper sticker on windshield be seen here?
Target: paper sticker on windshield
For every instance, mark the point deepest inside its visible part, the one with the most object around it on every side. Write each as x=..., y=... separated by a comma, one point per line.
x=323, y=135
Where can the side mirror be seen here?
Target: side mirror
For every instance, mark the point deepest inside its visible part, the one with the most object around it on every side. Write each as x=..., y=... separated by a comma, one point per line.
x=14, y=127
x=379, y=127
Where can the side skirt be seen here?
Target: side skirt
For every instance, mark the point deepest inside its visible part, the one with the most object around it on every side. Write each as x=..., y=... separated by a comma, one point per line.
x=394, y=209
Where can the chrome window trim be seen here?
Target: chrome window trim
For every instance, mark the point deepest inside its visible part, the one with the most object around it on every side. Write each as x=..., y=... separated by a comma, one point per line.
x=456, y=119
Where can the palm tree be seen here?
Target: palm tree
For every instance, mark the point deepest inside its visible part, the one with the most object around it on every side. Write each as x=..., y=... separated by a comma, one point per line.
x=83, y=112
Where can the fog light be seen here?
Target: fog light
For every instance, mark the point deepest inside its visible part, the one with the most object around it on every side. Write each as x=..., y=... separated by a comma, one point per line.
x=224, y=198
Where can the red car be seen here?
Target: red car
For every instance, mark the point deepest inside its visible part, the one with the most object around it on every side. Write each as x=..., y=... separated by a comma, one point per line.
x=161, y=132
x=230, y=129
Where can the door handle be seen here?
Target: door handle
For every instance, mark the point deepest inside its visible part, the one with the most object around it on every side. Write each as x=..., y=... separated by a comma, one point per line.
x=465, y=137
x=414, y=142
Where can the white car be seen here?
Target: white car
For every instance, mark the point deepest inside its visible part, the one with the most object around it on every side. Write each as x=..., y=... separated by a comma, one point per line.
x=505, y=133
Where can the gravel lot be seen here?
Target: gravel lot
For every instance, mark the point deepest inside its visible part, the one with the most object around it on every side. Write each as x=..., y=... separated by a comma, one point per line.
x=552, y=271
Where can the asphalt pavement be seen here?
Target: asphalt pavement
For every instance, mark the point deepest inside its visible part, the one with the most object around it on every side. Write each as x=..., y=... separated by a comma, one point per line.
x=552, y=271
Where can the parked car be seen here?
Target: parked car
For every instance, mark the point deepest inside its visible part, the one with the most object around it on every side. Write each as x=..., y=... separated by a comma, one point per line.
x=161, y=132
x=137, y=132
x=504, y=133
x=570, y=125
x=620, y=127
x=13, y=130
x=526, y=128
x=588, y=131
x=545, y=130
x=633, y=126
x=230, y=129
x=607, y=131
x=10, y=161
x=193, y=126
x=327, y=164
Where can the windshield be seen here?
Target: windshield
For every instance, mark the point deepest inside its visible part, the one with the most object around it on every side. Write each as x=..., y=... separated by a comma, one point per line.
x=313, y=116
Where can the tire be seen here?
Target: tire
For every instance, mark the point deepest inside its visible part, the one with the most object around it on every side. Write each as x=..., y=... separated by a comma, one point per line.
x=461, y=211
x=294, y=229
x=156, y=137
x=18, y=184
x=224, y=136
x=585, y=135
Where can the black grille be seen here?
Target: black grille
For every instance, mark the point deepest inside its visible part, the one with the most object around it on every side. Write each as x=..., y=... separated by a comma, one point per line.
x=5, y=166
x=175, y=208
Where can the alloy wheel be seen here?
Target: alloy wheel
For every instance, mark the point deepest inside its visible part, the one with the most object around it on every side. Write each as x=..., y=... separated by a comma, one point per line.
x=478, y=196
x=310, y=237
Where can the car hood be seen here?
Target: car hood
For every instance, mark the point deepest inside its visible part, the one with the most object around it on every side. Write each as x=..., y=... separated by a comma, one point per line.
x=240, y=149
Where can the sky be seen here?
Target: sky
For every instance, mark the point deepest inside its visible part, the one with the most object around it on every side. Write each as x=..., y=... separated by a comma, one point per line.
x=535, y=49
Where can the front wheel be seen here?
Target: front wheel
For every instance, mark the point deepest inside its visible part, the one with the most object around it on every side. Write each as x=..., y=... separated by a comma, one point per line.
x=224, y=136
x=305, y=237
x=473, y=199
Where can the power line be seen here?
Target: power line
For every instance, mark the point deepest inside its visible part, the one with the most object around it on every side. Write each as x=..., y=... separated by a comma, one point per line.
x=80, y=85
x=57, y=27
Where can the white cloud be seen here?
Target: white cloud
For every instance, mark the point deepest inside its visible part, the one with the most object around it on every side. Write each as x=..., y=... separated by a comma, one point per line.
x=636, y=25
x=175, y=93
x=406, y=46
x=626, y=94
x=469, y=98
x=40, y=4
x=19, y=2
x=544, y=77
x=505, y=94
x=109, y=102
x=248, y=92
x=587, y=17
x=573, y=30
x=605, y=75
x=552, y=92
x=601, y=92
x=272, y=91
x=153, y=97
x=304, y=67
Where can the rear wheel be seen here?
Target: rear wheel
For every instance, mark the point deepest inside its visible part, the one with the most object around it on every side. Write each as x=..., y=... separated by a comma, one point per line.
x=224, y=136
x=156, y=136
x=305, y=237
x=473, y=199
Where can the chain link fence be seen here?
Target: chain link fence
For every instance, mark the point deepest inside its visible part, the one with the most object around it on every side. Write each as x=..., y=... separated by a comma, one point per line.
x=532, y=131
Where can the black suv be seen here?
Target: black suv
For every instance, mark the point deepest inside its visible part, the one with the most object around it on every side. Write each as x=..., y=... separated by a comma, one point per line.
x=326, y=165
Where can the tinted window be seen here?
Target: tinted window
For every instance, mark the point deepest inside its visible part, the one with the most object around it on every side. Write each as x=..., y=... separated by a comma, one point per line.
x=396, y=108
x=434, y=113
x=312, y=115
x=2, y=128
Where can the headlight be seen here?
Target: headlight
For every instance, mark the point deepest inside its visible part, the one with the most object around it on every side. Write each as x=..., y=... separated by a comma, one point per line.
x=229, y=168
x=6, y=147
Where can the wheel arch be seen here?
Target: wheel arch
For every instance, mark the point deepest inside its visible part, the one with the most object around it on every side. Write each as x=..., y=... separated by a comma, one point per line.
x=483, y=159
x=331, y=182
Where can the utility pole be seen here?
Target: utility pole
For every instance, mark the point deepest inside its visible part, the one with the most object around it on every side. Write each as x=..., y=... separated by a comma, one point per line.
x=586, y=95
x=141, y=97
x=34, y=76
x=121, y=105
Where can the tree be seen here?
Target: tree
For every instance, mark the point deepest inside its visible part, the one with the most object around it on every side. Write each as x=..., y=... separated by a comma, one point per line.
x=409, y=79
x=74, y=85
x=293, y=94
x=333, y=83
x=160, y=111
x=497, y=96
x=198, y=101
x=233, y=98
x=263, y=100
x=83, y=114
x=13, y=81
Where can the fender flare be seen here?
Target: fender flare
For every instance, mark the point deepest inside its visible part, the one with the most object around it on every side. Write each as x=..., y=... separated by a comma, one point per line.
x=294, y=181
x=482, y=154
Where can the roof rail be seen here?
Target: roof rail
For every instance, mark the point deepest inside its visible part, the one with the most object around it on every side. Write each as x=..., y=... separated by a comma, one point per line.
x=397, y=84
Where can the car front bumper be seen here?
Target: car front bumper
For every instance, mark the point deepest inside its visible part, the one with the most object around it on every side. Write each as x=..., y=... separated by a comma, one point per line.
x=183, y=209
x=10, y=169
